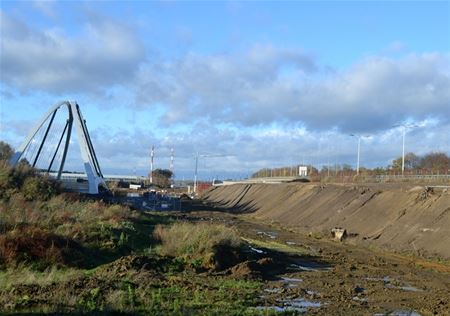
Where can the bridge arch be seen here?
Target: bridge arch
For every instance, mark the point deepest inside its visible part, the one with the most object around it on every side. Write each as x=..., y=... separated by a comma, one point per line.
x=91, y=166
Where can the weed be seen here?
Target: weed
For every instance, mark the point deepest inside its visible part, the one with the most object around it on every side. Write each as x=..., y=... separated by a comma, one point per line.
x=210, y=246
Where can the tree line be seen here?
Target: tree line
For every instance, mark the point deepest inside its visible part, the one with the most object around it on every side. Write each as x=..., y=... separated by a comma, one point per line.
x=430, y=163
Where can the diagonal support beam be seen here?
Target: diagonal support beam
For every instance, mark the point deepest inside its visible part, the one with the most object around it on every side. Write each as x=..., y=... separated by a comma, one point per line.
x=90, y=162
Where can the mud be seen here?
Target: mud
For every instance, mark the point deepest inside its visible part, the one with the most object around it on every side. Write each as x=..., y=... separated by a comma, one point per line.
x=395, y=217
x=323, y=277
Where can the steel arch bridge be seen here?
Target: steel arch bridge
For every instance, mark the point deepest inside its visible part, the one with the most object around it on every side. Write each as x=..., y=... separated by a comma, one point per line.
x=94, y=174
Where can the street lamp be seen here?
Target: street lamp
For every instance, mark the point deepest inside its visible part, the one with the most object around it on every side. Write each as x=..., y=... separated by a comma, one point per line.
x=197, y=156
x=405, y=126
x=359, y=149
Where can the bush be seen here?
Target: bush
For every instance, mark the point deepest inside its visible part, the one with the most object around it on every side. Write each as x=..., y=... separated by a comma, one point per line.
x=38, y=246
x=208, y=246
x=25, y=178
x=39, y=188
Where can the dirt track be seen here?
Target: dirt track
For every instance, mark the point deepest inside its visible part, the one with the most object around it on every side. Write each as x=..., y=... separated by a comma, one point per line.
x=404, y=218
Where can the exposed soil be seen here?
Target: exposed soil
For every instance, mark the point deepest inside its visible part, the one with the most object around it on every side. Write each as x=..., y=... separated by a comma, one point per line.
x=398, y=217
x=324, y=277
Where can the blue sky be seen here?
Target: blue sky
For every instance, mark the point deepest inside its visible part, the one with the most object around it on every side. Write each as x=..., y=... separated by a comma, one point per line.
x=266, y=83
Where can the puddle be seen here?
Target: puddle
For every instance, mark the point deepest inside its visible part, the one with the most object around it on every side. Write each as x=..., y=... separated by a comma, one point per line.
x=271, y=235
x=410, y=289
x=300, y=305
x=386, y=279
x=256, y=250
x=310, y=266
x=399, y=313
x=274, y=290
x=387, y=283
x=287, y=280
x=407, y=288
x=291, y=282
x=404, y=313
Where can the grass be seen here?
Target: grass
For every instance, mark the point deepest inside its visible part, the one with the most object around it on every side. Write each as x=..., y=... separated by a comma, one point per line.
x=60, y=229
x=210, y=246
x=62, y=254
x=25, y=275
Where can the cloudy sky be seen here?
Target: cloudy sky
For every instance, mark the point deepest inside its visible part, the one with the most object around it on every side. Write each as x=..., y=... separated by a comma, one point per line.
x=264, y=84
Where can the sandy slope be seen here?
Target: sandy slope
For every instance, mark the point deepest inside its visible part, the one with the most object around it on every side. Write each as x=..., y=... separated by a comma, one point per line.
x=397, y=217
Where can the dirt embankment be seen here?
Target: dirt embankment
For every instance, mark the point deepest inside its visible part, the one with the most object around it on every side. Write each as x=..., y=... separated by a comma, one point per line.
x=395, y=217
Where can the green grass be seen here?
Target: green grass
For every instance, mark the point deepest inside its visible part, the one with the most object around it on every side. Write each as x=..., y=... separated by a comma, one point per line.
x=201, y=245
x=62, y=254
x=24, y=275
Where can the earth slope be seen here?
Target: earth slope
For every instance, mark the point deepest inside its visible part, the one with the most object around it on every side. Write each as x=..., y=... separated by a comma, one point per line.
x=397, y=217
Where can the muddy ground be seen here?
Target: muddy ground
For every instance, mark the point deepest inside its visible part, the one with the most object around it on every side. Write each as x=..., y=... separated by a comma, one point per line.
x=324, y=277
x=282, y=271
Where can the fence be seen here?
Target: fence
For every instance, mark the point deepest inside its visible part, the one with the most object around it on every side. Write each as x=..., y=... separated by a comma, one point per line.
x=350, y=176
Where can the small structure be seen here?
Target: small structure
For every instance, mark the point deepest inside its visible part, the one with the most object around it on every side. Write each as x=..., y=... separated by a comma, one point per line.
x=303, y=171
x=135, y=186
x=338, y=233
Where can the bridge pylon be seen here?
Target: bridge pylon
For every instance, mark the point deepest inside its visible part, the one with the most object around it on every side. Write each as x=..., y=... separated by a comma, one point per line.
x=91, y=166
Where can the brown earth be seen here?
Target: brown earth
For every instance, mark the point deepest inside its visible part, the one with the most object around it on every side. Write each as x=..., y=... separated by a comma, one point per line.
x=399, y=217
x=318, y=276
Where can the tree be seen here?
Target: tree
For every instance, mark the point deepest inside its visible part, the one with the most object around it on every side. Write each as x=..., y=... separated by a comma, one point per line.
x=412, y=161
x=436, y=161
x=347, y=168
x=162, y=177
x=6, y=151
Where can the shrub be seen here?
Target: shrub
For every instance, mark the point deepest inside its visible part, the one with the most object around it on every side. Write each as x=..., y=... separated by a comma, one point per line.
x=25, y=178
x=35, y=245
x=39, y=188
x=203, y=245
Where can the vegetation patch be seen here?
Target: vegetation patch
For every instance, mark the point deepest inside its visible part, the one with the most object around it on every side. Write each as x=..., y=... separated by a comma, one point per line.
x=208, y=246
x=39, y=247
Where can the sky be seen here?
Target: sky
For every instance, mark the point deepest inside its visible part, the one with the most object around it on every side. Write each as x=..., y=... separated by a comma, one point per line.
x=259, y=84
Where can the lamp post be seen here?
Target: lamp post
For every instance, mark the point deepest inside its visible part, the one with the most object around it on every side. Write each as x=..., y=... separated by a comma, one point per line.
x=405, y=126
x=359, y=149
x=195, y=173
x=197, y=156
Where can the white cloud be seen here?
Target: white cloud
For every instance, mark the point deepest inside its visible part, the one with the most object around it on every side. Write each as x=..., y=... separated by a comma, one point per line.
x=266, y=85
x=106, y=53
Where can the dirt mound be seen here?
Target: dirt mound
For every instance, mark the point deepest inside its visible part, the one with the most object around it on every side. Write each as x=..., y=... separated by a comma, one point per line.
x=394, y=216
x=264, y=268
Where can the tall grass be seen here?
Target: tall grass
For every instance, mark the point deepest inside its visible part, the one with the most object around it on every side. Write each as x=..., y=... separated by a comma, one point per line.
x=24, y=275
x=209, y=246
x=37, y=224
